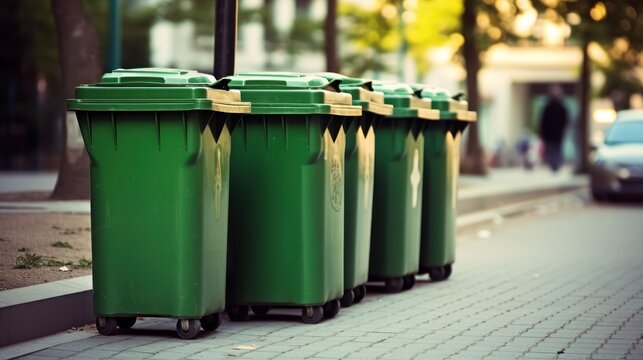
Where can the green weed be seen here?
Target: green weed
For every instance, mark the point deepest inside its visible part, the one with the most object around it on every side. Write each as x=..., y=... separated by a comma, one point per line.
x=62, y=244
x=83, y=264
x=28, y=261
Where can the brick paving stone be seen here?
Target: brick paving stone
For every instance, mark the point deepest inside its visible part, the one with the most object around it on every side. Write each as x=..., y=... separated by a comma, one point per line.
x=533, y=355
x=54, y=353
x=567, y=356
x=260, y=355
x=128, y=355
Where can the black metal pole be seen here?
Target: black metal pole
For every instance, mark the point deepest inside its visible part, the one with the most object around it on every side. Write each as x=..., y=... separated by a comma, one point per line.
x=332, y=64
x=225, y=37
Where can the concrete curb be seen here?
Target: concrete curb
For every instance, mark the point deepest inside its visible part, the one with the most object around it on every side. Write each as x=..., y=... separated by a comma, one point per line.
x=480, y=199
x=39, y=310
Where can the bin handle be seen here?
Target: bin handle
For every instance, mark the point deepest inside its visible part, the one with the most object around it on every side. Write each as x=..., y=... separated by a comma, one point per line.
x=333, y=85
x=368, y=85
x=221, y=84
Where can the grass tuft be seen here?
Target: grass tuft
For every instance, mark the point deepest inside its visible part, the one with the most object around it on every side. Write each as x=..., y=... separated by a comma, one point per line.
x=28, y=261
x=62, y=244
x=83, y=264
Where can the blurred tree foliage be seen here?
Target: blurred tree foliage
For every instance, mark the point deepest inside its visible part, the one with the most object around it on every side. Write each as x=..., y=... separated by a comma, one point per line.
x=370, y=33
x=431, y=23
x=615, y=25
x=390, y=26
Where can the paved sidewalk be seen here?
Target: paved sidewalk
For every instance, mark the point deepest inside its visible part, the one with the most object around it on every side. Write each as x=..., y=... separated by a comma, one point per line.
x=503, y=180
x=566, y=285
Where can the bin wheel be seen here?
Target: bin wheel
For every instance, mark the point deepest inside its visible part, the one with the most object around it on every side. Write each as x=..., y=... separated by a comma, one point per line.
x=237, y=313
x=260, y=310
x=126, y=322
x=360, y=292
x=447, y=271
x=188, y=328
x=211, y=322
x=437, y=273
x=393, y=285
x=348, y=299
x=408, y=282
x=311, y=314
x=106, y=325
x=331, y=309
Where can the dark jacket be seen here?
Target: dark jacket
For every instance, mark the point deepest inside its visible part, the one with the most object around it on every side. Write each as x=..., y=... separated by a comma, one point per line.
x=553, y=121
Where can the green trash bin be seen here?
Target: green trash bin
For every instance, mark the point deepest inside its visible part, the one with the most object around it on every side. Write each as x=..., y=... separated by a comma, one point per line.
x=441, y=169
x=397, y=203
x=360, y=167
x=287, y=196
x=159, y=143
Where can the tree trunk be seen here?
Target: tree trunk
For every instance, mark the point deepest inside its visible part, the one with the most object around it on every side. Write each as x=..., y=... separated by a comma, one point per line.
x=80, y=64
x=330, y=28
x=269, y=32
x=474, y=159
x=583, y=103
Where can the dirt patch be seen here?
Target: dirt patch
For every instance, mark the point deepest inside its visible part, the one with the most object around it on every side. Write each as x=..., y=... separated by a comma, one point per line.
x=26, y=196
x=33, y=248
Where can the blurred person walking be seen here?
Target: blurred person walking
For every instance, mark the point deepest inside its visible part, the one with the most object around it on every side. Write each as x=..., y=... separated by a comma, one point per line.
x=552, y=127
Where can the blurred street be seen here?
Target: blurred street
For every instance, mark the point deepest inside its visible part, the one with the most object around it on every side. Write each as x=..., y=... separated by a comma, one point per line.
x=562, y=281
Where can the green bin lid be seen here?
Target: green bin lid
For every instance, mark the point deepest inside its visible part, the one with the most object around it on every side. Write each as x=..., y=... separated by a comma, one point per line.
x=405, y=101
x=451, y=107
x=362, y=92
x=157, y=89
x=283, y=93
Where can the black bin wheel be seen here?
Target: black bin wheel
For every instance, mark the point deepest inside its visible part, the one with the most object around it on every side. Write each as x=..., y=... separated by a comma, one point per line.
x=311, y=314
x=360, y=292
x=331, y=309
x=348, y=299
x=106, y=325
x=393, y=285
x=447, y=271
x=211, y=322
x=126, y=322
x=237, y=313
x=437, y=273
x=260, y=310
x=188, y=328
x=408, y=282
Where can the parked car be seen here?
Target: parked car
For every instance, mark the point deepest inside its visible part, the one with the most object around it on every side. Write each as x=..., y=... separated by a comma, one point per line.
x=617, y=166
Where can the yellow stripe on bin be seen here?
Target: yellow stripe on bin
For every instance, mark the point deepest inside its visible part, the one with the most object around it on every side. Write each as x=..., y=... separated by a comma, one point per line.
x=345, y=110
x=428, y=114
x=337, y=98
x=380, y=109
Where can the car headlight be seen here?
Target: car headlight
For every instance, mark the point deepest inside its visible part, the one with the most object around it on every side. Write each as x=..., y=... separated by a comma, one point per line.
x=623, y=173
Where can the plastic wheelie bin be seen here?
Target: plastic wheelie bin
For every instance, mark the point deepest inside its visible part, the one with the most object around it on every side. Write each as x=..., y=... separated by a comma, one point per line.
x=397, y=199
x=287, y=196
x=360, y=167
x=159, y=144
x=441, y=168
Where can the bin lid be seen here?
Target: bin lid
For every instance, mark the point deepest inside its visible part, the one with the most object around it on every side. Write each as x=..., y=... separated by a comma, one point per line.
x=451, y=107
x=362, y=92
x=406, y=103
x=157, y=89
x=285, y=93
